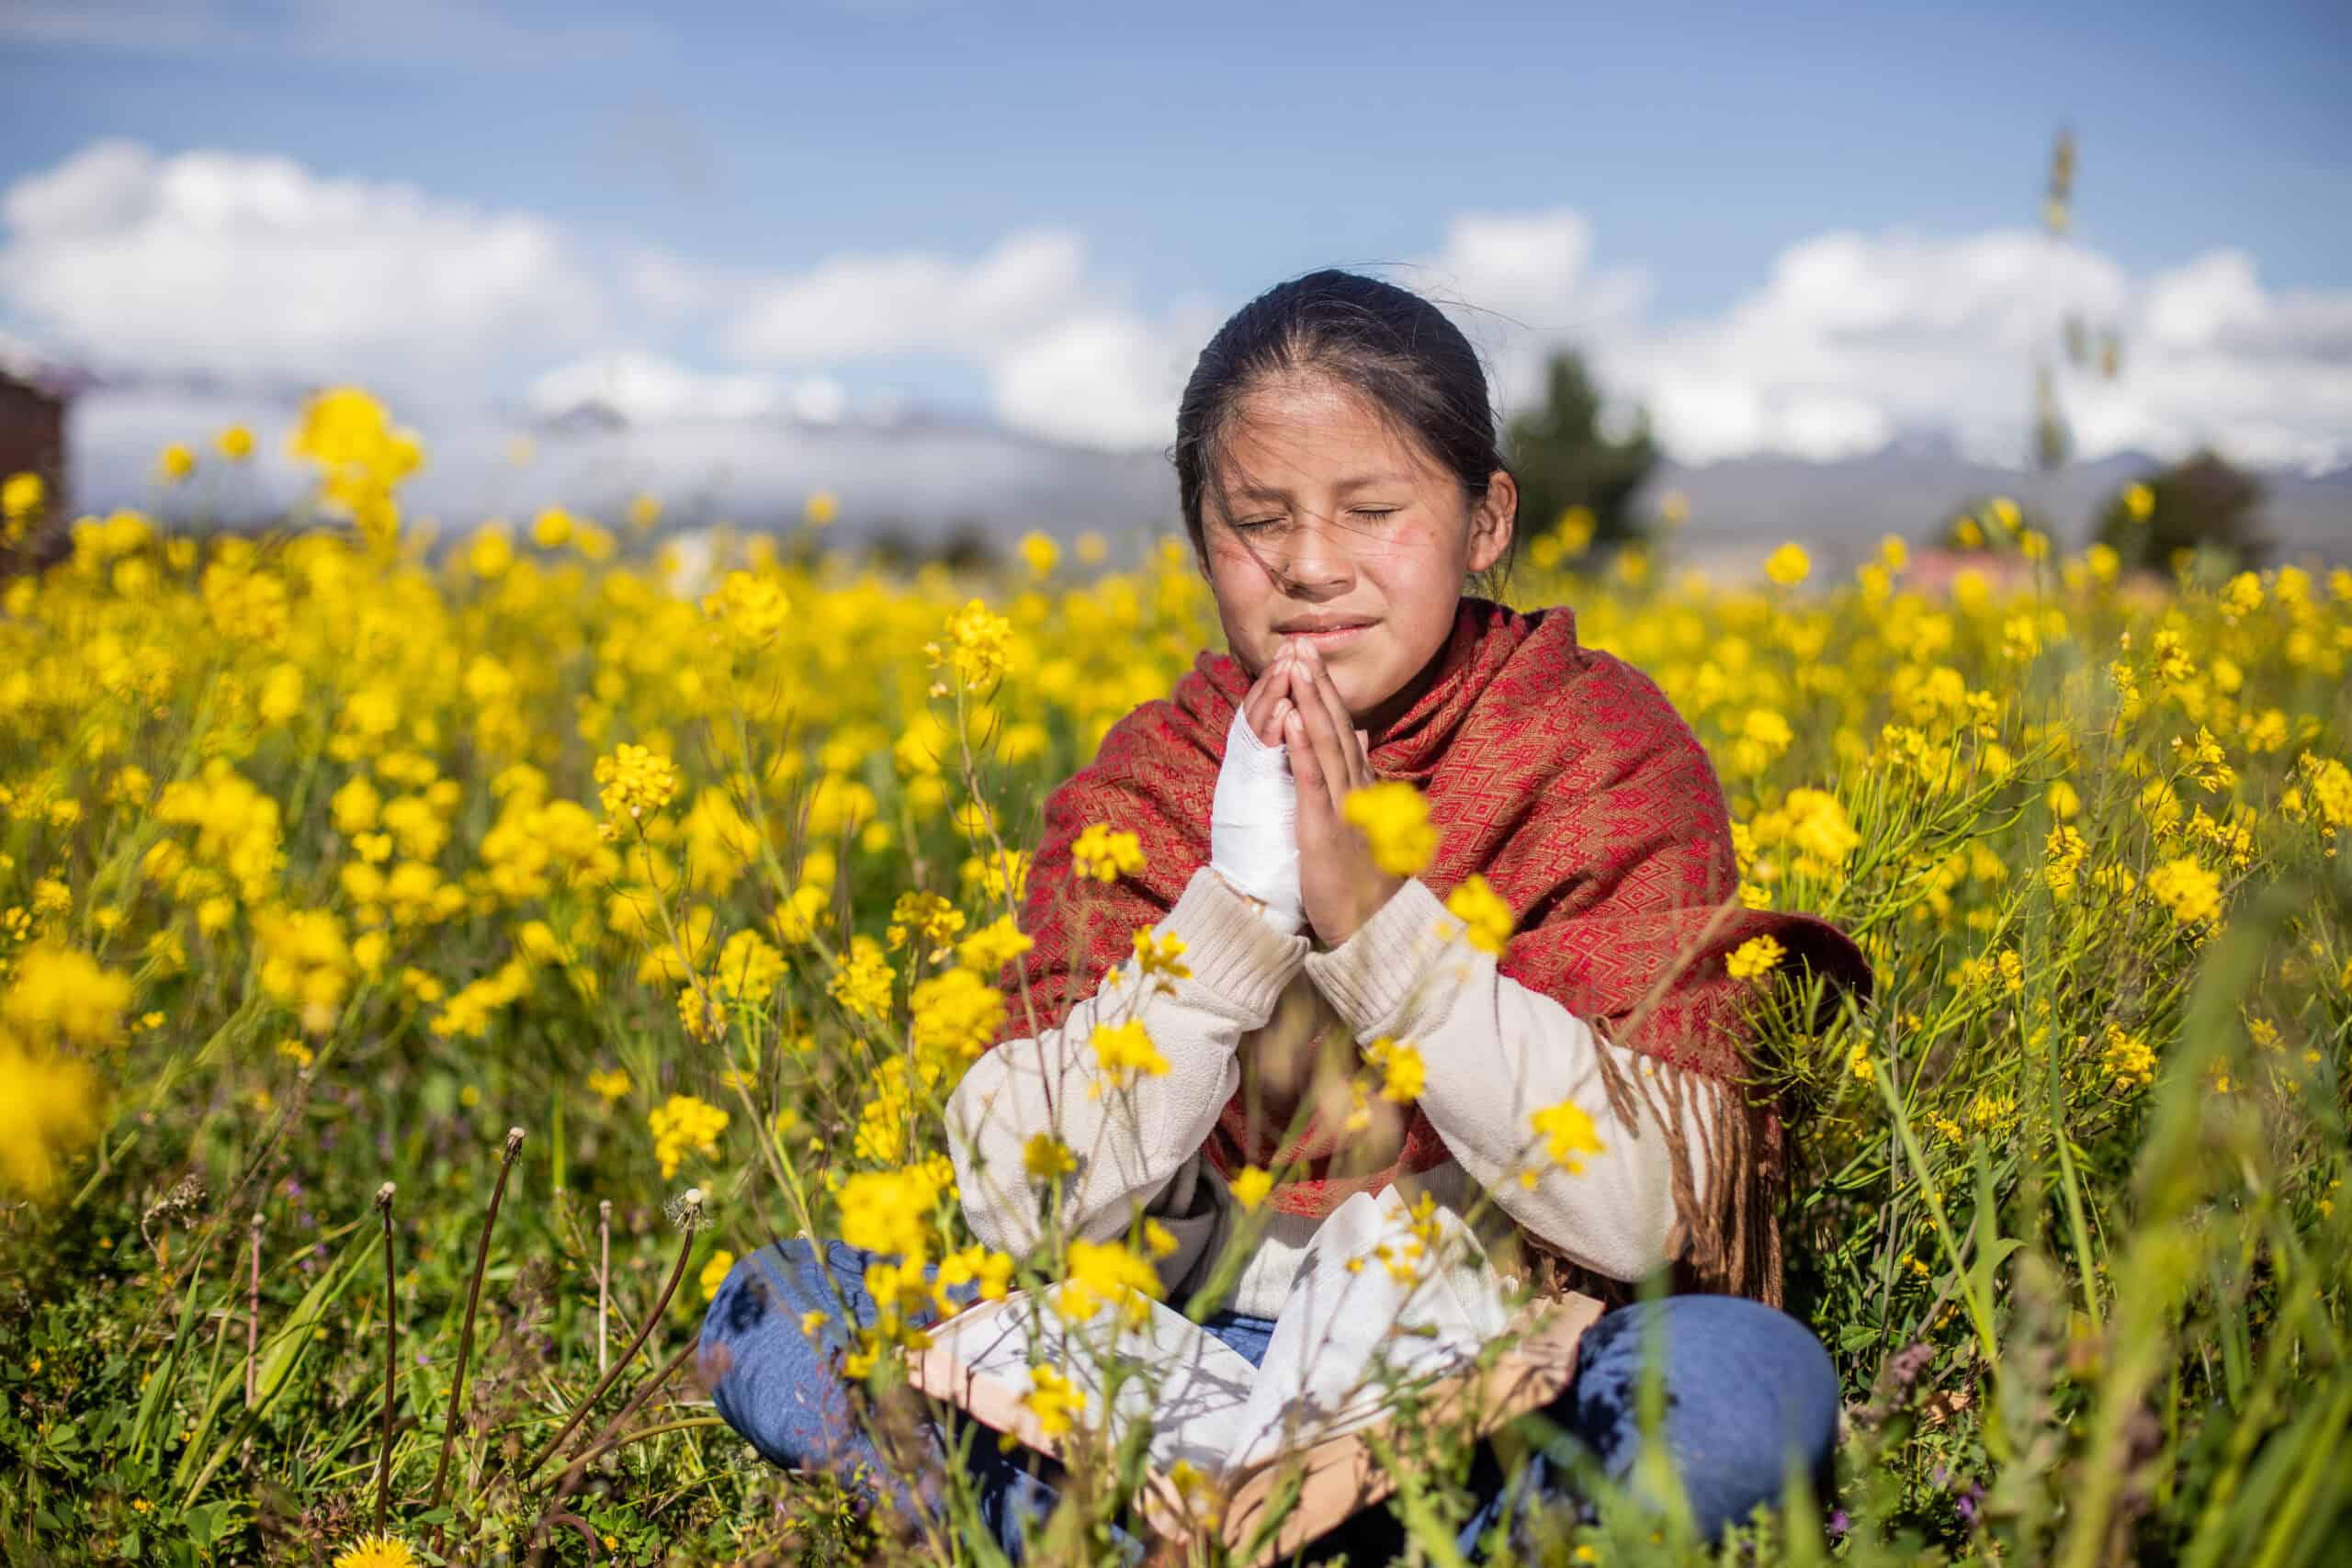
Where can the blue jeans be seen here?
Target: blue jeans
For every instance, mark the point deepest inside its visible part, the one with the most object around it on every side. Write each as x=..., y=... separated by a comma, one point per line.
x=1747, y=1389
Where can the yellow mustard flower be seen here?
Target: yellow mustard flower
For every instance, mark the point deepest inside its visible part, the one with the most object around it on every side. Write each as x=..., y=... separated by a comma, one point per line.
x=1393, y=817
x=1055, y=1401
x=1568, y=1134
x=682, y=1125
x=1787, y=565
x=1485, y=913
x=1756, y=955
x=1125, y=1052
x=1105, y=855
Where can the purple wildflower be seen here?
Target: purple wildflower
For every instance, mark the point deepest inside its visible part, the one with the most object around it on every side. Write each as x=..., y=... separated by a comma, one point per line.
x=1903, y=1367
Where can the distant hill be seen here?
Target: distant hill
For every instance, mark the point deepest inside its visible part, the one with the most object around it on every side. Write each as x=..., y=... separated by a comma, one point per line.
x=1842, y=508
x=921, y=474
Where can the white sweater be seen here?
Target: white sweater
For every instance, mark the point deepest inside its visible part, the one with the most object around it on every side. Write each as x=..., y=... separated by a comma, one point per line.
x=1495, y=1051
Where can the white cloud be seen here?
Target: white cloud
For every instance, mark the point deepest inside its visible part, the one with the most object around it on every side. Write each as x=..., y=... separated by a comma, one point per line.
x=1518, y=282
x=1833, y=426
x=235, y=265
x=1856, y=338
x=1853, y=338
x=670, y=286
x=862, y=305
x=1063, y=355
x=647, y=389
x=230, y=264
x=1067, y=357
x=1105, y=378
x=2217, y=356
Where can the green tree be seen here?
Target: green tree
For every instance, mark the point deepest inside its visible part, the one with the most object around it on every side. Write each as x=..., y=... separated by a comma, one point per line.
x=2203, y=501
x=1564, y=460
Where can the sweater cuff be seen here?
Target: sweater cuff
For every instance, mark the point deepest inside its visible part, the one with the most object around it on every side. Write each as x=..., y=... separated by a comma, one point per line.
x=1370, y=976
x=1229, y=948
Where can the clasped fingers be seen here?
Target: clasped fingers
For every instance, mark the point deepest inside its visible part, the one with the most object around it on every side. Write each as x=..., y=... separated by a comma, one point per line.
x=1324, y=730
x=1269, y=702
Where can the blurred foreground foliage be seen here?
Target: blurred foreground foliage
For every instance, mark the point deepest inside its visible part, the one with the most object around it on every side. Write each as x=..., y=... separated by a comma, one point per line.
x=322, y=864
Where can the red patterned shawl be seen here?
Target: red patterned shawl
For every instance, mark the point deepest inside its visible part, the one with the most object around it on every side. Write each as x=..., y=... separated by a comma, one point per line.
x=1564, y=775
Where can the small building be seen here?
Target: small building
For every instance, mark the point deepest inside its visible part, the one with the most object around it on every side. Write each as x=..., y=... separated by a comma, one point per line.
x=35, y=395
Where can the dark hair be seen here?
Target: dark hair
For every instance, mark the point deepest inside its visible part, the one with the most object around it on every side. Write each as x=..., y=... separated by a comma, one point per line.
x=1389, y=345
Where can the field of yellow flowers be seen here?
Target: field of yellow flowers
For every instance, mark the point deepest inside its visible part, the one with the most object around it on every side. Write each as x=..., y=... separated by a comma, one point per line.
x=326, y=860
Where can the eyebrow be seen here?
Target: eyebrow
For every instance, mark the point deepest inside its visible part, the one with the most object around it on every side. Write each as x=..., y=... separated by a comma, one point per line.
x=1360, y=482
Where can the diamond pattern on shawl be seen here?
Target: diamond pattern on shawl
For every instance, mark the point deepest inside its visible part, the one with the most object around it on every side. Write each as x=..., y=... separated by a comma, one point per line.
x=1561, y=773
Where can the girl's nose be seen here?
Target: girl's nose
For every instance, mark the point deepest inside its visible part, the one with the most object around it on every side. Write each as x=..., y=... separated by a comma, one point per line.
x=1313, y=572
x=1316, y=554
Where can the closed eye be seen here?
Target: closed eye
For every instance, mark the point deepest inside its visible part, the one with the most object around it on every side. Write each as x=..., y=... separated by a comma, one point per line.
x=1258, y=526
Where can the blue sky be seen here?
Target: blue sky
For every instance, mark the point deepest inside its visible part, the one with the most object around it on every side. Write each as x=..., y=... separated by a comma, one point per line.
x=1196, y=153
x=1217, y=146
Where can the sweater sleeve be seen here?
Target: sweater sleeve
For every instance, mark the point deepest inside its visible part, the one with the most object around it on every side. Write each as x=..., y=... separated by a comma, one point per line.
x=1137, y=1145
x=1497, y=1052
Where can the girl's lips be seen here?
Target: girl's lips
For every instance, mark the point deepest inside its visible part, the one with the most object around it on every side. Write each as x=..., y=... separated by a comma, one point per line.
x=1335, y=635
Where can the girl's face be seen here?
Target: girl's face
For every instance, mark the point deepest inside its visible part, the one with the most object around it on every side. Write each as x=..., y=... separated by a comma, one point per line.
x=1329, y=524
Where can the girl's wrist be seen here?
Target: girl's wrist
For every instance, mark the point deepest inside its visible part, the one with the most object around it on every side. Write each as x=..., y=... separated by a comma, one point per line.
x=1257, y=905
x=1238, y=952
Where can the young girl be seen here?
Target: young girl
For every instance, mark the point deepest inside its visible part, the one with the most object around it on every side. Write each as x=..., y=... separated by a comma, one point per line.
x=1341, y=483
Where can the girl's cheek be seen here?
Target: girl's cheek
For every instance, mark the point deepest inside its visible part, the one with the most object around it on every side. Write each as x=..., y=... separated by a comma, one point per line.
x=1239, y=587
x=1408, y=561
x=1231, y=567
x=1413, y=547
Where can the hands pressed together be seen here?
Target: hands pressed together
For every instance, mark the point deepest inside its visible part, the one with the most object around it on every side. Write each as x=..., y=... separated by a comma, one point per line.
x=1277, y=831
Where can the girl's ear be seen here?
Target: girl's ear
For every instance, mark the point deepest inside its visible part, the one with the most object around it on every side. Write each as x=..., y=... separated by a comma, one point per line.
x=1493, y=520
